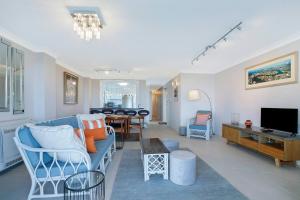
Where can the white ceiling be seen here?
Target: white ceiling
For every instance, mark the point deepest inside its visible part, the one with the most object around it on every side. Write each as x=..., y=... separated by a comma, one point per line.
x=152, y=39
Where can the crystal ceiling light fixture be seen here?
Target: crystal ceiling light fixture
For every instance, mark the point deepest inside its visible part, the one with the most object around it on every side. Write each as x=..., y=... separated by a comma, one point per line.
x=213, y=45
x=87, y=22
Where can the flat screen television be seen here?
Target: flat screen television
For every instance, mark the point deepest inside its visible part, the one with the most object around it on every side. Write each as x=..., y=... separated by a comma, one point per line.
x=283, y=119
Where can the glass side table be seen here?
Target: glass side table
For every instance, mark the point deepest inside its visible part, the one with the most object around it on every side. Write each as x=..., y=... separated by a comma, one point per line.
x=87, y=185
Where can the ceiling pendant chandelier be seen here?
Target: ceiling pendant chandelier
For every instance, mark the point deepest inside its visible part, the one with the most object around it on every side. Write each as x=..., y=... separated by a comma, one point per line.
x=87, y=23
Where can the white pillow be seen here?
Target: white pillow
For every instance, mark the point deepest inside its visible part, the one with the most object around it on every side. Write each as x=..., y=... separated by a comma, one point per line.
x=59, y=137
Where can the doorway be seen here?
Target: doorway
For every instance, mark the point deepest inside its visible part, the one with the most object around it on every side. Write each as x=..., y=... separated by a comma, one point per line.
x=156, y=101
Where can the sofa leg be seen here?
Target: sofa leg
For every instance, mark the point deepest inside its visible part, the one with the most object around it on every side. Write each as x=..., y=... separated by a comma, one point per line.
x=33, y=184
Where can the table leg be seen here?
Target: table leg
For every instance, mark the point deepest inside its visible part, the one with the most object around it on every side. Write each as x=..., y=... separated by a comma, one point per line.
x=146, y=173
x=166, y=166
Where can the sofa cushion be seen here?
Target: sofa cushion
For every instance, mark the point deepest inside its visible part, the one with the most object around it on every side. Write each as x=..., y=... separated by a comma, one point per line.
x=97, y=127
x=201, y=119
x=72, y=121
x=41, y=171
x=102, y=147
x=198, y=127
x=59, y=137
x=27, y=139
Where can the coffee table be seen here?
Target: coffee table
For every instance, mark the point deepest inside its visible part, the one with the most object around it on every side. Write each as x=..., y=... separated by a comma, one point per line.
x=155, y=157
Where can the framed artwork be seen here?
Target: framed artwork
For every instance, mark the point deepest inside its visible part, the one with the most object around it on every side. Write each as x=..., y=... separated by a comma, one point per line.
x=70, y=88
x=278, y=71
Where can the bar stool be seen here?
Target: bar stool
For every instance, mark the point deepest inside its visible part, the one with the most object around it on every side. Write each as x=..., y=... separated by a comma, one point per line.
x=94, y=111
x=135, y=124
x=143, y=114
x=120, y=124
x=120, y=112
x=108, y=111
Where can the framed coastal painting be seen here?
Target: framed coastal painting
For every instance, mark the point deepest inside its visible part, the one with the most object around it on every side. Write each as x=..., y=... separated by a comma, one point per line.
x=278, y=71
x=70, y=88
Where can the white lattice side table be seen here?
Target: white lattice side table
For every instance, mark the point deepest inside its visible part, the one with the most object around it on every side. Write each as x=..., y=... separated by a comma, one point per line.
x=156, y=164
x=155, y=158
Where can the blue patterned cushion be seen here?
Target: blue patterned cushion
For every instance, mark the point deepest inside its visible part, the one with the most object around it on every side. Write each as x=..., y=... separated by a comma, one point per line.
x=26, y=138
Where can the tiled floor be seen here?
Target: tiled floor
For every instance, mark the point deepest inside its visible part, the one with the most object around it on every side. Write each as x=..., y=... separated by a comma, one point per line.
x=251, y=173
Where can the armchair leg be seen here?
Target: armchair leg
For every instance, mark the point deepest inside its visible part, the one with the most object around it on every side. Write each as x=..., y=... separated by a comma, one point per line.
x=188, y=133
x=207, y=135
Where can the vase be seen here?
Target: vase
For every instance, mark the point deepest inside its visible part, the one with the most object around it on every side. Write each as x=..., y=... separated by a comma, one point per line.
x=248, y=123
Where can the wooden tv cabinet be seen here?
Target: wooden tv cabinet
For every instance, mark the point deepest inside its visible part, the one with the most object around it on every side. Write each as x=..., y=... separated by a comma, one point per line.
x=282, y=149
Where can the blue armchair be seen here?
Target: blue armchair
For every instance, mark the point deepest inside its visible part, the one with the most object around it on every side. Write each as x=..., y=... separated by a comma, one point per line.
x=201, y=131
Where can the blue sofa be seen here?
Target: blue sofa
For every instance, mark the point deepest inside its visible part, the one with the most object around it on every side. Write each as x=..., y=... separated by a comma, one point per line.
x=45, y=168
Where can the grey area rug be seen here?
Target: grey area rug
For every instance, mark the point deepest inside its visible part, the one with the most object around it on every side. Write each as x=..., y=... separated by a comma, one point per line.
x=130, y=185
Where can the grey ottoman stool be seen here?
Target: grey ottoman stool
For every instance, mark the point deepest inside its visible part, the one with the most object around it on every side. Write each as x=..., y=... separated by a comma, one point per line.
x=171, y=144
x=182, y=167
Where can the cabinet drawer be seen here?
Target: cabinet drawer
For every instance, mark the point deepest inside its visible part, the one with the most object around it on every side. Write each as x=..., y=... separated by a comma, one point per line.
x=249, y=143
x=271, y=151
x=231, y=134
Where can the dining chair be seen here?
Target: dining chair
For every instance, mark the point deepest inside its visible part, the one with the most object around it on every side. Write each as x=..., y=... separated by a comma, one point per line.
x=135, y=123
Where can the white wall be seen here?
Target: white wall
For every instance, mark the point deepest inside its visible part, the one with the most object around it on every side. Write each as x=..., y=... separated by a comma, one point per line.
x=95, y=97
x=173, y=105
x=231, y=96
x=43, y=90
x=204, y=82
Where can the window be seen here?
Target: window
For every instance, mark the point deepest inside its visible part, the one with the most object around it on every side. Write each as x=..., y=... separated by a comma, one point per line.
x=18, y=80
x=4, y=76
x=11, y=78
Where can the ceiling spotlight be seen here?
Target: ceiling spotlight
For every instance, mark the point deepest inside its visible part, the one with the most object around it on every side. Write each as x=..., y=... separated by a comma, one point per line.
x=213, y=45
x=106, y=72
x=123, y=83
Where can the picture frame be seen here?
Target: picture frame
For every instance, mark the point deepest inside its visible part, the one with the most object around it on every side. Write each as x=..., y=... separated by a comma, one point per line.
x=70, y=88
x=278, y=71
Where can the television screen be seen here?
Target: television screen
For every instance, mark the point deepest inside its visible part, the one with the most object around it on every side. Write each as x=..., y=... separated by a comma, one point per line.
x=280, y=119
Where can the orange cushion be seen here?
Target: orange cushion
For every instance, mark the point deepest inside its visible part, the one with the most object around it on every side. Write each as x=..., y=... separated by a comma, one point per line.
x=98, y=133
x=96, y=127
x=91, y=124
x=201, y=119
x=90, y=143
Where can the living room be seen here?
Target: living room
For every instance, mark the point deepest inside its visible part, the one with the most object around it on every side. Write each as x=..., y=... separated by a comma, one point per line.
x=206, y=93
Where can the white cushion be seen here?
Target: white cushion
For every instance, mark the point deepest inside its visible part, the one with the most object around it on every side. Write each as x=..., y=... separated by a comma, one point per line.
x=59, y=138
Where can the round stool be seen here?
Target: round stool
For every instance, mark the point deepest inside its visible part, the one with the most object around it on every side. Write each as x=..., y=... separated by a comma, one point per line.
x=182, y=167
x=171, y=144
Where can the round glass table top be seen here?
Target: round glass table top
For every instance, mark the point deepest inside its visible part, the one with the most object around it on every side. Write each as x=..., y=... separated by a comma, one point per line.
x=84, y=181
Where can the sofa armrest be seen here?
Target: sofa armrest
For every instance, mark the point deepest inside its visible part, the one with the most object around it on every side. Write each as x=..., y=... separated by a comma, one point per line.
x=84, y=156
x=111, y=130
